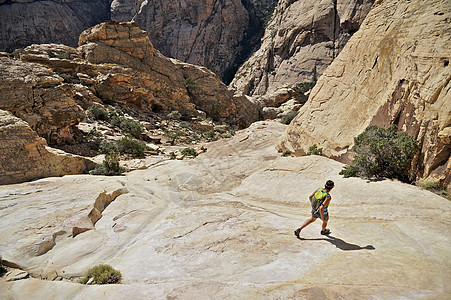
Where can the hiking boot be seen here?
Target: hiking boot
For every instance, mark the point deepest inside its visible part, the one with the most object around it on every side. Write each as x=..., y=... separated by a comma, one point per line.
x=297, y=231
x=325, y=232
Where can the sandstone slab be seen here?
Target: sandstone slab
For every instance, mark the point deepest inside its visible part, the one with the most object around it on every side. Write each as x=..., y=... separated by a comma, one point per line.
x=221, y=226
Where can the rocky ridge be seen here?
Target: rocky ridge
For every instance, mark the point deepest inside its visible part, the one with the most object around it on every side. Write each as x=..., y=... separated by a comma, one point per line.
x=394, y=70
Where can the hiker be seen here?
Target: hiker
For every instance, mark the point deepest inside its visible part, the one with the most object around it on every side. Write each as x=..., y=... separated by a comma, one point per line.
x=320, y=200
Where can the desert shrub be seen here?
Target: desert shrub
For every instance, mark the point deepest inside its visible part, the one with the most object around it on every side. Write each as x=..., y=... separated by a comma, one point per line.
x=173, y=135
x=209, y=134
x=286, y=153
x=189, y=152
x=96, y=112
x=306, y=86
x=382, y=153
x=174, y=115
x=436, y=187
x=102, y=274
x=131, y=146
x=109, y=167
x=17, y=52
x=288, y=118
x=314, y=150
x=107, y=147
x=127, y=126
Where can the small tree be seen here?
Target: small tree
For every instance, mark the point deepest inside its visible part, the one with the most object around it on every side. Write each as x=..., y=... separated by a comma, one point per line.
x=109, y=167
x=288, y=118
x=382, y=153
x=102, y=274
x=130, y=145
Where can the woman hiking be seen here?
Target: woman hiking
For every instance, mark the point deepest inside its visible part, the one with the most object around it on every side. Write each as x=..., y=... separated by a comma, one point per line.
x=320, y=200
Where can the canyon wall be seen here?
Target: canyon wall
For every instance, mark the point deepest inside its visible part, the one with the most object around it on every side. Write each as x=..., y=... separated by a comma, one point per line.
x=394, y=70
x=24, y=22
x=299, y=43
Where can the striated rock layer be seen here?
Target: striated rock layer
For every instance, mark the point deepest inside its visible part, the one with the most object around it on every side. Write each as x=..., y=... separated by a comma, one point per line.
x=25, y=156
x=24, y=22
x=394, y=70
x=299, y=43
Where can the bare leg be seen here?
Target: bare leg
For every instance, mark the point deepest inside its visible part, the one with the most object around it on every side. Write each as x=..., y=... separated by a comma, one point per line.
x=307, y=222
x=324, y=225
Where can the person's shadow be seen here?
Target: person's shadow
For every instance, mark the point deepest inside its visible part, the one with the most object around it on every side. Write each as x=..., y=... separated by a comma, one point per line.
x=340, y=244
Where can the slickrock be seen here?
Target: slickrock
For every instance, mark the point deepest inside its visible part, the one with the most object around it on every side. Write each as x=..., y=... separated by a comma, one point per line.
x=221, y=226
x=299, y=43
x=25, y=156
x=394, y=70
x=24, y=22
x=216, y=34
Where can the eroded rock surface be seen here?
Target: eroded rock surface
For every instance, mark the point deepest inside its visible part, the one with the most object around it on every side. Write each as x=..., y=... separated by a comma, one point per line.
x=25, y=156
x=299, y=43
x=394, y=70
x=221, y=226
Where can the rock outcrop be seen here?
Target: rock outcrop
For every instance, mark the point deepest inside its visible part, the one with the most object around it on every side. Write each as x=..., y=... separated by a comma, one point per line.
x=301, y=40
x=394, y=70
x=216, y=34
x=25, y=156
x=38, y=96
x=221, y=226
x=119, y=64
x=24, y=22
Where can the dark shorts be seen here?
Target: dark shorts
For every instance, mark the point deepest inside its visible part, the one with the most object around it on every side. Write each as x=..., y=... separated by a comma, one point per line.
x=318, y=215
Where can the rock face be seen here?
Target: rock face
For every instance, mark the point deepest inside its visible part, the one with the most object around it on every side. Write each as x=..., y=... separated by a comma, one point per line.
x=23, y=23
x=215, y=34
x=394, y=70
x=301, y=40
x=25, y=156
x=208, y=228
x=36, y=94
x=119, y=64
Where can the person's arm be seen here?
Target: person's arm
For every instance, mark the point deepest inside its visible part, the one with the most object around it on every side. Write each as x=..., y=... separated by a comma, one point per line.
x=311, y=197
x=323, y=206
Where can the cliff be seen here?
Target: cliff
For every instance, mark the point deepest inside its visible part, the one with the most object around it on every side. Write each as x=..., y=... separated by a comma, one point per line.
x=394, y=70
x=299, y=43
x=25, y=22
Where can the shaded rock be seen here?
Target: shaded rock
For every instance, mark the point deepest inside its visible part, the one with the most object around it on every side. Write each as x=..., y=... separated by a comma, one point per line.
x=301, y=40
x=208, y=33
x=394, y=70
x=25, y=156
x=26, y=22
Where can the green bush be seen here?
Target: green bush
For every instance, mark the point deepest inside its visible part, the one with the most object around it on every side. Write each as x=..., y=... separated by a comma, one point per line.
x=314, y=150
x=173, y=135
x=102, y=274
x=17, y=52
x=106, y=147
x=109, y=167
x=382, y=153
x=288, y=118
x=306, y=86
x=189, y=152
x=174, y=115
x=127, y=126
x=286, y=153
x=131, y=146
x=436, y=187
x=96, y=112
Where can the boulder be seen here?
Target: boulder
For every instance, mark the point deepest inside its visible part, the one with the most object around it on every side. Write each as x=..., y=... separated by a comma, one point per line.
x=394, y=70
x=25, y=156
